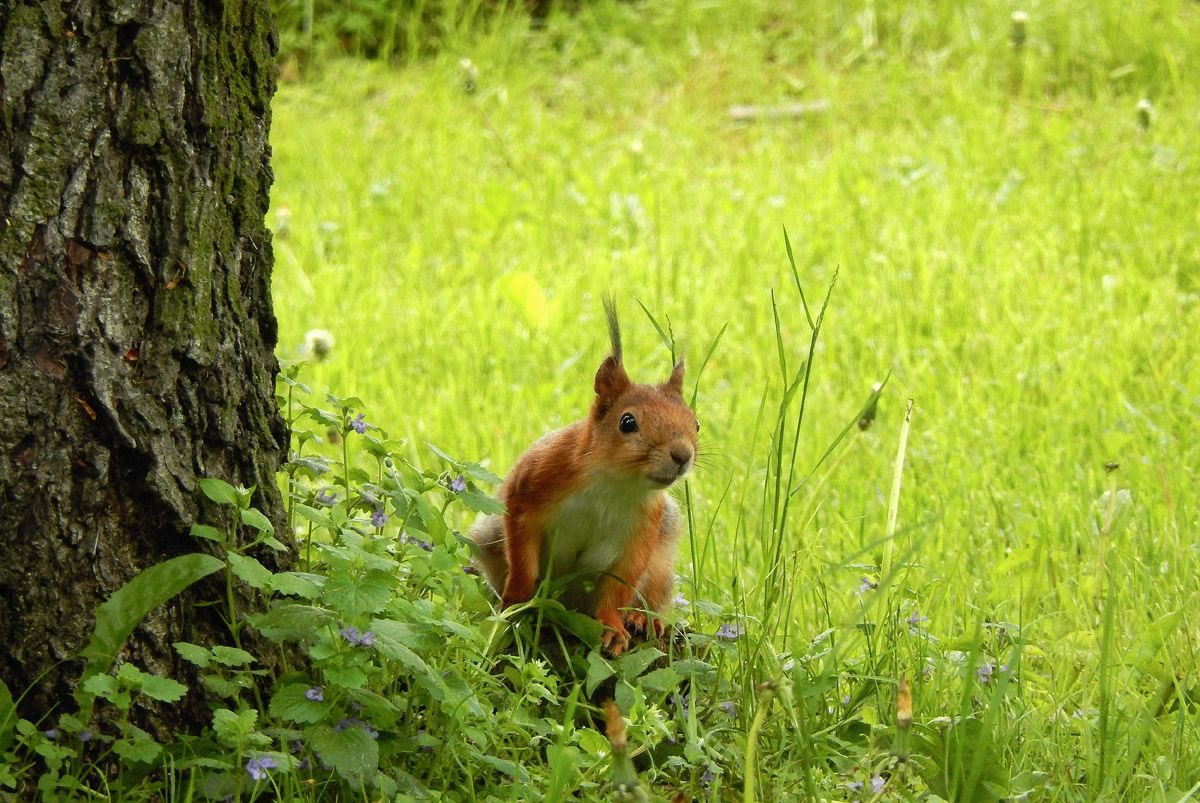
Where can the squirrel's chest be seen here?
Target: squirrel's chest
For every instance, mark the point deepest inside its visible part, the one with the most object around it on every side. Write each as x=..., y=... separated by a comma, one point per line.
x=592, y=527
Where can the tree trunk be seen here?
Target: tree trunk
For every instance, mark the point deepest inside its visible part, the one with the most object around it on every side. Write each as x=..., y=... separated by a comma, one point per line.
x=136, y=328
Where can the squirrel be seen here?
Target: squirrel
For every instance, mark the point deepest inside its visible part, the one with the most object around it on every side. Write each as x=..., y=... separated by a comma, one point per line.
x=589, y=502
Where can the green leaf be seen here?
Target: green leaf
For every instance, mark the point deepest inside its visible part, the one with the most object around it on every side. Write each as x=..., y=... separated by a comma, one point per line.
x=429, y=517
x=346, y=676
x=119, y=615
x=193, y=653
x=599, y=671
x=249, y=570
x=443, y=455
x=584, y=627
x=291, y=620
x=422, y=638
x=565, y=774
x=231, y=656
x=104, y=686
x=129, y=676
x=632, y=664
x=208, y=533
x=315, y=516
x=255, y=518
x=481, y=474
x=295, y=585
x=223, y=687
x=352, y=751
x=237, y=729
x=138, y=747
x=220, y=491
x=8, y=717
x=481, y=502
x=431, y=681
x=693, y=666
x=378, y=709
x=354, y=595
x=164, y=689
x=661, y=680
x=510, y=768
x=592, y=742
x=290, y=703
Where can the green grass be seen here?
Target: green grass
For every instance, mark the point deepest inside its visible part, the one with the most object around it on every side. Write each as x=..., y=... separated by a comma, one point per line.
x=1012, y=248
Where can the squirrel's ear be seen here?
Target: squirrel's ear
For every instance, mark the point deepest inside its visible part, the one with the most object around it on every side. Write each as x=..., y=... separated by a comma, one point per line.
x=611, y=379
x=675, y=383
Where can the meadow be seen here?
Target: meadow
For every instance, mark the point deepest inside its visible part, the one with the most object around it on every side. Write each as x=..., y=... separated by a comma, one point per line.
x=1003, y=234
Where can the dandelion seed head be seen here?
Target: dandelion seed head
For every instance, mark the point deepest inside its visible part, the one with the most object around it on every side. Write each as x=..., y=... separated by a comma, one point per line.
x=318, y=344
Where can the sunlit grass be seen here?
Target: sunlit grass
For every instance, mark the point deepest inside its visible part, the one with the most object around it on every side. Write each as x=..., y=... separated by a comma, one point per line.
x=1013, y=248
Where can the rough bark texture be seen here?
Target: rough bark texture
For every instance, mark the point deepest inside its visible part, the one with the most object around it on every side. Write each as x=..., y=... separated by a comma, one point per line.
x=136, y=328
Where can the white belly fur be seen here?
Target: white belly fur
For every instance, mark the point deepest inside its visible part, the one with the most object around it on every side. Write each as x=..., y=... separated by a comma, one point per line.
x=589, y=532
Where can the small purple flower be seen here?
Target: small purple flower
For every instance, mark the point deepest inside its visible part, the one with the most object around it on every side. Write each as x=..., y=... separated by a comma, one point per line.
x=877, y=783
x=359, y=639
x=707, y=778
x=358, y=424
x=326, y=498
x=295, y=746
x=405, y=538
x=51, y=734
x=86, y=736
x=458, y=484
x=984, y=672
x=915, y=618
x=316, y=694
x=729, y=707
x=845, y=699
x=681, y=600
x=729, y=630
x=471, y=570
x=855, y=786
x=355, y=722
x=257, y=767
x=866, y=584
x=378, y=518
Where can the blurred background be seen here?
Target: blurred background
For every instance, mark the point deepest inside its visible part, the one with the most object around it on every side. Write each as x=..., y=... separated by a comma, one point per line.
x=1005, y=193
x=1001, y=195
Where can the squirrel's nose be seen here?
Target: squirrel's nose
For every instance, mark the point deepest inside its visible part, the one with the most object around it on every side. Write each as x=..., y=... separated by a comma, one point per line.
x=681, y=455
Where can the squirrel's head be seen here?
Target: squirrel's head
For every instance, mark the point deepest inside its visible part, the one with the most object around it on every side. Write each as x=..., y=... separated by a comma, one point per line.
x=646, y=432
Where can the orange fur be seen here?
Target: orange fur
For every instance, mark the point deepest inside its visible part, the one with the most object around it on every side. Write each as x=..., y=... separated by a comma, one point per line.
x=588, y=501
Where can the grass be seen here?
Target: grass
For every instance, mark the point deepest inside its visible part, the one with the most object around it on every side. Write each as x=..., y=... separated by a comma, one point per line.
x=1011, y=248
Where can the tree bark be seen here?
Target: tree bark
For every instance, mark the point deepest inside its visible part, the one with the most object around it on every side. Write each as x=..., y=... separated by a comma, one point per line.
x=136, y=328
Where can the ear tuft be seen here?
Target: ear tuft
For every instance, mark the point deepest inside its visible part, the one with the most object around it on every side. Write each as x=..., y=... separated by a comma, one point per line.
x=611, y=380
x=675, y=383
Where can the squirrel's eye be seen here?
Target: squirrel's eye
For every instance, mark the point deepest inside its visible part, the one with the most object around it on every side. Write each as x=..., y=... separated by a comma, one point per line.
x=628, y=423
x=697, y=424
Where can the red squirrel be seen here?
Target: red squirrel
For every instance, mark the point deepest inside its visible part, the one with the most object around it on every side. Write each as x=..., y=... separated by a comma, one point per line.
x=589, y=500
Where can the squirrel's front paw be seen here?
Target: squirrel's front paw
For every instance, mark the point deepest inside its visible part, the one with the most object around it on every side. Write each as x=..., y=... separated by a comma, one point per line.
x=616, y=637
x=642, y=624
